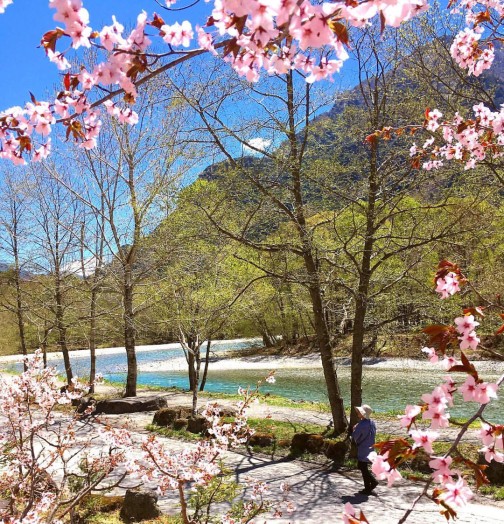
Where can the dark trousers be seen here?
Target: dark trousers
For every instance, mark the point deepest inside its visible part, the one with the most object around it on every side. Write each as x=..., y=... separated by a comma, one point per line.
x=369, y=481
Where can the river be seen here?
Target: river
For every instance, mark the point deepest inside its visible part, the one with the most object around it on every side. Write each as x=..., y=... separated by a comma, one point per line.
x=385, y=389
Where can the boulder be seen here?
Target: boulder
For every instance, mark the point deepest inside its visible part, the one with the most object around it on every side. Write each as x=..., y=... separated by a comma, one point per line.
x=336, y=451
x=197, y=424
x=84, y=403
x=261, y=439
x=494, y=470
x=309, y=442
x=420, y=462
x=119, y=406
x=139, y=504
x=166, y=416
x=180, y=423
x=227, y=412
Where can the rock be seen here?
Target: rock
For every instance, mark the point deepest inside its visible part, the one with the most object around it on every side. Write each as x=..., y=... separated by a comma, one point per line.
x=84, y=403
x=180, y=423
x=420, y=462
x=227, y=412
x=309, y=442
x=494, y=470
x=139, y=504
x=336, y=451
x=197, y=424
x=261, y=439
x=119, y=406
x=166, y=416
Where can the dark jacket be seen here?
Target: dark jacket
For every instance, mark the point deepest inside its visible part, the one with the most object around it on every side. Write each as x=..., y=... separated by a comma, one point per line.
x=364, y=436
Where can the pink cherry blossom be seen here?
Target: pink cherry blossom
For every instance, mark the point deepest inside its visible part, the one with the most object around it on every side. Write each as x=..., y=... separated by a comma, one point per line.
x=424, y=439
x=437, y=400
x=4, y=4
x=449, y=285
x=431, y=353
x=466, y=324
x=410, y=413
x=486, y=391
x=469, y=389
x=469, y=340
x=348, y=516
x=491, y=453
x=382, y=470
x=457, y=492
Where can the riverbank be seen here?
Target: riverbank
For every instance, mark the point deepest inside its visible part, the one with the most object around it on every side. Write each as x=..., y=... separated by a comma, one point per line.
x=85, y=353
x=269, y=363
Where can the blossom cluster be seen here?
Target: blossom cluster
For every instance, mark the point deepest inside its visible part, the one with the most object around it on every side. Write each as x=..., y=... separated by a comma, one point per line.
x=468, y=140
x=272, y=35
x=469, y=49
x=41, y=443
x=43, y=450
x=451, y=485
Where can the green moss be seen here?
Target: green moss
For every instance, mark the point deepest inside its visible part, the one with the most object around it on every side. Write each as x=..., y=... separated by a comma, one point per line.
x=180, y=434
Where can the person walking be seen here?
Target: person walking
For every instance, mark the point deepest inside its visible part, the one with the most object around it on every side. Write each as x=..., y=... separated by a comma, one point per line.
x=364, y=434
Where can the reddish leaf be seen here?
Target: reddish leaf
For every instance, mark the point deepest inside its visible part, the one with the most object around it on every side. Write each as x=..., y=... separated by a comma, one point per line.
x=340, y=30
x=157, y=21
x=66, y=81
x=50, y=38
x=382, y=22
x=500, y=330
x=476, y=311
x=363, y=518
x=440, y=336
x=372, y=138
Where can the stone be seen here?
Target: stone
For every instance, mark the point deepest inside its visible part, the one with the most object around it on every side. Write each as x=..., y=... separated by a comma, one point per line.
x=166, y=416
x=119, y=406
x=227, y=412
x=180, y=423
x=139, y=504
x=494, y=470
x=197, y=424
x=261, y=439
x=84, y=403
x=309, y=442
x=336, y=451
x=420, y=462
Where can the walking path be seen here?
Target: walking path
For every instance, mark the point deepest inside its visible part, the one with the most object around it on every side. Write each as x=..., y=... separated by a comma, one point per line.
x=320, y=493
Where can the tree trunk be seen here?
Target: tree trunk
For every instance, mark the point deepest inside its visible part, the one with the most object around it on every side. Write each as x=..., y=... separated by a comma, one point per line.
x=323, y=339
x=205, y=369
x=361, y=302
x=331, y=379
x=129, y=334
x=20, y=319
x=197, y=358
x=191, y=363
x=92, y=340
x=60, y=326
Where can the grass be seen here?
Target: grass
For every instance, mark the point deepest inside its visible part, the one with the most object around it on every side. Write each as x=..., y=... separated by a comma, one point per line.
x=496, y=492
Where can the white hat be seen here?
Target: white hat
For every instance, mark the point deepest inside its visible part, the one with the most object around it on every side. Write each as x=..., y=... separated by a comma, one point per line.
x=364, y=410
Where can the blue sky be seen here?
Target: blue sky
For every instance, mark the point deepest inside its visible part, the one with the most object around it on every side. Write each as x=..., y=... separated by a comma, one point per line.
x=24, y=66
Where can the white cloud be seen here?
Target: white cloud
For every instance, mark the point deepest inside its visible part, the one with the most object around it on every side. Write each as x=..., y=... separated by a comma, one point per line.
x=257, y=143
x=75, y=267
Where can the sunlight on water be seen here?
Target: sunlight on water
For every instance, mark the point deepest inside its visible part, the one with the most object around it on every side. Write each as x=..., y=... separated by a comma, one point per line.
x=384, y=389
